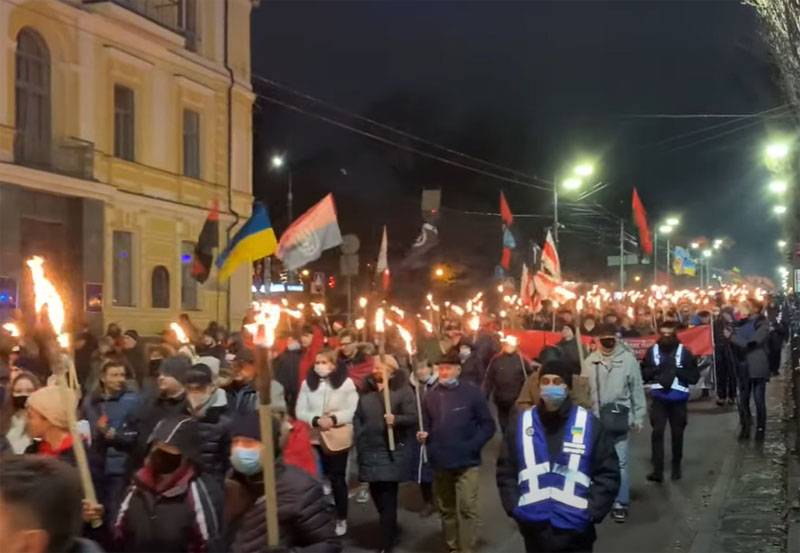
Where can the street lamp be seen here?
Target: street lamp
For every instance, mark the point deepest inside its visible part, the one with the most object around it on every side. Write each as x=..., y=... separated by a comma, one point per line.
x=781, y=244
x=571, y=183
x=278, y=161
x=776, y=151
x=666, y=229
x=779, y=209
x=694, y=245
x=673, y=221
x=778, y=186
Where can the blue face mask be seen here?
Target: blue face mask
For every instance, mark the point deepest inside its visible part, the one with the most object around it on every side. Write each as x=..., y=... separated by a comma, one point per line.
x=554, y=395
x=246, y=461
x=449, y=383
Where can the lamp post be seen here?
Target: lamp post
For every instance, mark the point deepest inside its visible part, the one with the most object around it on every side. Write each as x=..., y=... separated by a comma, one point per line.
x=665, y=229
x=573, y=182
x=278, y=161
x=707, y=253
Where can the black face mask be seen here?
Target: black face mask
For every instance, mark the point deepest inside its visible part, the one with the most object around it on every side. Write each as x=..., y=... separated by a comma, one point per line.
x=669, y=341
x=608, y=343
x=19, y=401
x=163, y=462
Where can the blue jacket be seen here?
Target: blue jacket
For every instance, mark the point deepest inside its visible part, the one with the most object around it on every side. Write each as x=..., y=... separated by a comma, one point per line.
x=119, y=409
x=458, y=423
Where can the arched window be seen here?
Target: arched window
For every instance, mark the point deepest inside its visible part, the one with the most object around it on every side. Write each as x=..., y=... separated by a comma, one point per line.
x=159, y=287
x=32, y=85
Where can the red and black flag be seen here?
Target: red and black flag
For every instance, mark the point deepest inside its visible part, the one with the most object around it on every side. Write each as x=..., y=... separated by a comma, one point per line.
x=204, y=249
x=640, y=217
x=509, y=242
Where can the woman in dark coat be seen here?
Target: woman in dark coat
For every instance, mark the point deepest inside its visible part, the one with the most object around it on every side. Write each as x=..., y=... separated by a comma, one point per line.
x=381, y=468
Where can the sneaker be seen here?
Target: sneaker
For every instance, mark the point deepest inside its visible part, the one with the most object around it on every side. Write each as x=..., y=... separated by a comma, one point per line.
x=619, y=513
x=341, y=527
x=427, y=511
x=655, y=477
x=760, y=434
x=676, y=472
x=362, y=495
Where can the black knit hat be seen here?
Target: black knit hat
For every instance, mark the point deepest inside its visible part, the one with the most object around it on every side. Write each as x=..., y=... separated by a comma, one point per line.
x=247, y=425
x=606, y=329
x=558, y=367
x=176, y=366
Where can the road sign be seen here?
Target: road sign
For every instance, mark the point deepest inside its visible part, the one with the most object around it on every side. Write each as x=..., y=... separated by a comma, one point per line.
x=348, y=265
x=318, y=284
x=630, y=259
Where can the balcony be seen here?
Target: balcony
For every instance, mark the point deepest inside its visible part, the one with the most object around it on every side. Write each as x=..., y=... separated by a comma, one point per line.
x=67, y=156
x=178, y=16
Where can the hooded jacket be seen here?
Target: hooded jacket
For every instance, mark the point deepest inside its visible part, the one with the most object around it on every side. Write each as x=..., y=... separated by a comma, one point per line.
x=620, y=379
x=375, y=462
x=150, y=412
x=306, y=518
x=751, y=338
x=181, y=514
x=214, y=426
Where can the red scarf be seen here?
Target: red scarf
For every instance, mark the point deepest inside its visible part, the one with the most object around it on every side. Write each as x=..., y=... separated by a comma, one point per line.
x=49, y=451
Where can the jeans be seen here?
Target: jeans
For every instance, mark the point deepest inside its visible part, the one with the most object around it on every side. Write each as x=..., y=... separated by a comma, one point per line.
x=334, y=466
x=624, y=494
x=662, y=412
x=726, y=372
x=384, y=495
x=758, y=388
x=456, y=493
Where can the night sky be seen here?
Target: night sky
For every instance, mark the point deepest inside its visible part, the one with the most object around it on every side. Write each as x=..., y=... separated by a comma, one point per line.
x=533, y=87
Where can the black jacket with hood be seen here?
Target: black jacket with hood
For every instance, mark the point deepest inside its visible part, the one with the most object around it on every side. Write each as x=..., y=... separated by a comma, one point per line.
x=183, y=514
x=214, y=428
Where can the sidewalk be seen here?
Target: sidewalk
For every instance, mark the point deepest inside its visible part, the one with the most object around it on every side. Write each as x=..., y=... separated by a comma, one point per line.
x=748, y=506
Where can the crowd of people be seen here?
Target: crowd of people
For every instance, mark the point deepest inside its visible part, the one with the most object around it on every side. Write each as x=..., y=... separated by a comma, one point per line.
x=172, y=432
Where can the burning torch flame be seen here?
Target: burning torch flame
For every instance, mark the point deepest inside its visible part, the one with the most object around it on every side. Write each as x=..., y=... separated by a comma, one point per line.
x=406, y=336
x=400, y=313
x=579, y=305
x=362, y=302
x=457, y=309
x=360, y=323
x=318, y=308
x=475, y=323
x=12, y=329
x=45, y=294
x=379, y=317
x=179, y=333
x=267, y=317
x=427, y=325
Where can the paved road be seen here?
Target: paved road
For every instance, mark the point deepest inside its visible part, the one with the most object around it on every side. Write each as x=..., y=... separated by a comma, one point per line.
x=663, y=518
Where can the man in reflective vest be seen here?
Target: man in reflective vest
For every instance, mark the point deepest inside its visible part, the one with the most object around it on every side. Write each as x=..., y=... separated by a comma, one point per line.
x=669, y=368
x=558, y=472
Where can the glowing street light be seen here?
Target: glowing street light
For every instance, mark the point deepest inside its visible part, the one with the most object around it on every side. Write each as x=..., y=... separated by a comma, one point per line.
x=673, y=221
x=781, y=244
x=277, y=161
x=707, y=253
x=777, y=150
x=665, y=229
x=694, y=245
x=778, y=186
x=779, y=209
x=584, y=169
x=572, y=183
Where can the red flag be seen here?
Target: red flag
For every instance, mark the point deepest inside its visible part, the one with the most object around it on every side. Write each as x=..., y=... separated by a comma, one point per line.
x=505, y=211
x=640, y=217
x=548, y=278
x=382, y=266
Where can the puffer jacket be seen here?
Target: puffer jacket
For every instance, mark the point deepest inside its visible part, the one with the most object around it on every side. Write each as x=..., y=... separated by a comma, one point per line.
x=335, y=396
x=375, y=462
x=751, y=338
x=214, y=427
x=306, y=519
x=149, y=413
x=120, y=409
x=505, y=377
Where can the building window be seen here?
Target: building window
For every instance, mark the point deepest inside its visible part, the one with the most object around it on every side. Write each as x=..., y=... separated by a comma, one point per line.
x=188, y=284
x=159, y=289
x=122, y=244
x=123, y=122
x=32, y=109
x=191, y=143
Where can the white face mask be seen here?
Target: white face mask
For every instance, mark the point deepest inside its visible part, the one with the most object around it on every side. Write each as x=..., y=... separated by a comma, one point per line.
x=323, y=370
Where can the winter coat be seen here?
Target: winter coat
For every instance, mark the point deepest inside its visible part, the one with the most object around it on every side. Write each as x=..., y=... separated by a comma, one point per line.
x=620, y=379
x=120, y=409
x=214, y=428
x=419, y=469
x=287, y=372
x=458, y=423
x=306, y=519
x=667, y=370
x=473, y=370
x=569, y=349
x=375, y=462
x=505, y=377
x=243, y=399
x=751, y=338
x=181, y=515
x=359, y=367
x=150, y=412
x=604, y=474
x=335, y=396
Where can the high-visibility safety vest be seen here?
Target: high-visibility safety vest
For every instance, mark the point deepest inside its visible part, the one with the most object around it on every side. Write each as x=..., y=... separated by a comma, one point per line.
x=677, y=391
x=557, y=492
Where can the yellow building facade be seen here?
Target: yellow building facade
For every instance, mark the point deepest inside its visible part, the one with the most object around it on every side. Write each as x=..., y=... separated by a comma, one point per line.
x=121, y=123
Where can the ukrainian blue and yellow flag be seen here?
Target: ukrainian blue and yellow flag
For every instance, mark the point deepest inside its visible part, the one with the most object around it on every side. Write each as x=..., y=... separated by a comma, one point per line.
x=255, y=240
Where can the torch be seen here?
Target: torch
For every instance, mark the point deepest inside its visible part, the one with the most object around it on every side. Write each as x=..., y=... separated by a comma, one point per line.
x=12, y=329
x=578, y=309
x=380, y=331
x=263, y=330
x=183, y=340
x=45, y=295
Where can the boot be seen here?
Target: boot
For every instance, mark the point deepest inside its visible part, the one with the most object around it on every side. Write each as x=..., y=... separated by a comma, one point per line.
x=676, y=471
x=656, y=477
